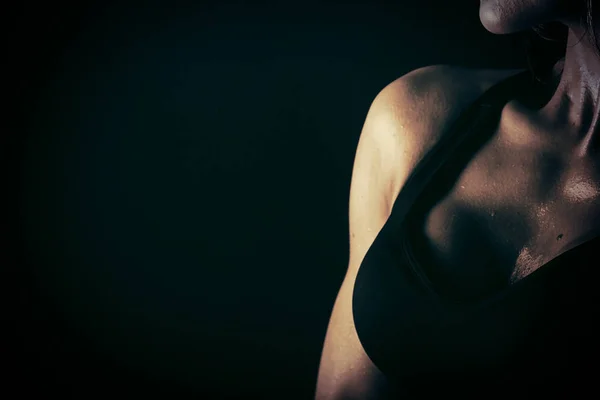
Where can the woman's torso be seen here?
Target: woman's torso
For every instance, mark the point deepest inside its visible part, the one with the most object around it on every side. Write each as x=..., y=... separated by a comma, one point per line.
x=511, y=199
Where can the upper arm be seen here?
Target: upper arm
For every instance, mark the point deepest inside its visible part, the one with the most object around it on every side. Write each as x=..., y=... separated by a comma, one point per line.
x=381, y=165
x=379, y=170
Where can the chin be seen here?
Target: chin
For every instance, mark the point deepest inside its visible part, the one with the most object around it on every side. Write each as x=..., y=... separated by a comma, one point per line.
x=495, y=20
x=511, y=16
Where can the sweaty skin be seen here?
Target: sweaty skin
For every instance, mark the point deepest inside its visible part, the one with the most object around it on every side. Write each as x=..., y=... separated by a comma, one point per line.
x=549, y=157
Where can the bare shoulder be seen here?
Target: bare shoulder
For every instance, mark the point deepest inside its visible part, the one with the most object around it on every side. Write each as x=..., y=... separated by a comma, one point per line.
x=429, y=97
x=444, y=82
x=411, y=112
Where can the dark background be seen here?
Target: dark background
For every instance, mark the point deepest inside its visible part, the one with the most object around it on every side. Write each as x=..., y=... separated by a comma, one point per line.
x=179, y=175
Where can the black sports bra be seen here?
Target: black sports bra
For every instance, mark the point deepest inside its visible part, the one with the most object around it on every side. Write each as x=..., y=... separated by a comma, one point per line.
x=535, y=337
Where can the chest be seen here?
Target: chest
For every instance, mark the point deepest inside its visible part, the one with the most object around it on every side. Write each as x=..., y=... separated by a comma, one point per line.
x=514, y=207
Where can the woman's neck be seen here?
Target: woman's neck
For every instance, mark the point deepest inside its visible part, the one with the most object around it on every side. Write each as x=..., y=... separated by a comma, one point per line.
x=574, y=108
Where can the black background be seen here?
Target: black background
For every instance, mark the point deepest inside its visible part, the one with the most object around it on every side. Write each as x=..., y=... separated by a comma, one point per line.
x=180, y=174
